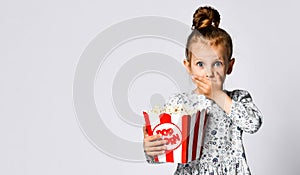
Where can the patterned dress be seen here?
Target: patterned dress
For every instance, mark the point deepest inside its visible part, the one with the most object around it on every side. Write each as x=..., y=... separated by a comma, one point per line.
x=223, y=150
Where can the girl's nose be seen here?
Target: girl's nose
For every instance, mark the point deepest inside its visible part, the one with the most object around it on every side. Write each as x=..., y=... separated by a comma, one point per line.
x=209, y=73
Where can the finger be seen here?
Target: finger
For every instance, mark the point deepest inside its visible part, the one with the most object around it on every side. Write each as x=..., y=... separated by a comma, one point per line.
x=218, y=76
x=155, y=143
x=155, y=153
x=202, y=84
x=204, y=80
x=198, y=77
x=217, y=81
x=145, y=131
x=155, y=149
x=153, y=138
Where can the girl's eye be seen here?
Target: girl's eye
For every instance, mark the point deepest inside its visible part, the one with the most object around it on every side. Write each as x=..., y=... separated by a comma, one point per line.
x=218, y=63
x=200, y=64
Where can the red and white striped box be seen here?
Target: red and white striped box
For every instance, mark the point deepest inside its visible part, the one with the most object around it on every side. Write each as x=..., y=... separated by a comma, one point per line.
x=184, y=133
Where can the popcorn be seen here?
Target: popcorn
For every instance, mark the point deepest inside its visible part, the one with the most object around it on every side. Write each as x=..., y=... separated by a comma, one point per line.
x=183, y=128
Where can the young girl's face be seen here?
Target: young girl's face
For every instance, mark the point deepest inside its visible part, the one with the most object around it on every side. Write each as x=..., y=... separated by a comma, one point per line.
x=208, y=61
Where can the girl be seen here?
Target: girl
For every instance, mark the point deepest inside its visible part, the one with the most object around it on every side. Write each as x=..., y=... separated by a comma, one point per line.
x=230, y=113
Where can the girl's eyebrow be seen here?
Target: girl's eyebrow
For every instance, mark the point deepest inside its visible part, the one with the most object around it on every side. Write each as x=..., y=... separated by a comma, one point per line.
x=219, y=59
x=201, y=59
x=197, y=59
x=194, y=58
x=215, y=58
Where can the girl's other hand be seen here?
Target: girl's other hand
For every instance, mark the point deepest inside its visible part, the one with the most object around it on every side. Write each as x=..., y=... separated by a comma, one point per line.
x=153, y=145
x=210, y=87
x=203, y=85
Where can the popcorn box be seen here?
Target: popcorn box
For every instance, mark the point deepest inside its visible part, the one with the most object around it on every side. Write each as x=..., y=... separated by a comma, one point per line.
x=184, y=132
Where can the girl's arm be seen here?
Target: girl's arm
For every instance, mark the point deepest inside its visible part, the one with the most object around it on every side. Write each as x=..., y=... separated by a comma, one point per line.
x=243, y=112
x=238, y=105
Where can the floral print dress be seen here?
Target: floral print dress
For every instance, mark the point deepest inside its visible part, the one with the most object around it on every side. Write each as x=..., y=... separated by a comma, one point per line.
x=223, y=150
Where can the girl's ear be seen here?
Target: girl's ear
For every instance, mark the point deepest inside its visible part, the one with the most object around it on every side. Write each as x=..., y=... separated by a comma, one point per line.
x=186, y=64
x=230, y=66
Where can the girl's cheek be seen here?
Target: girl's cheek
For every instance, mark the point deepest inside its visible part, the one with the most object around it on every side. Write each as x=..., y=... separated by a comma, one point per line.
x=220, y=70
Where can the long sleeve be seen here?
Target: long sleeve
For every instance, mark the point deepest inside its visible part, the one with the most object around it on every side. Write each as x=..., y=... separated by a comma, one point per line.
x=244, y=113
x=149, y=159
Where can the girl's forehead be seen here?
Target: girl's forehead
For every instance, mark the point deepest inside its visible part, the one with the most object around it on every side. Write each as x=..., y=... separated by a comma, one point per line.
x=205, y=51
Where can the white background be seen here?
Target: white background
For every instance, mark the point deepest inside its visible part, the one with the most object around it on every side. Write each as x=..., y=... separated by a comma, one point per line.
x=41, y=43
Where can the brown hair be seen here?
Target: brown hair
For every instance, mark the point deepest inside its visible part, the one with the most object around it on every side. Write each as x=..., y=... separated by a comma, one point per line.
x=206, y=22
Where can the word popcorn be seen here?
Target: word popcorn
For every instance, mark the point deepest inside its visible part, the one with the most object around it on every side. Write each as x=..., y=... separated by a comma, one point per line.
x=170, y=132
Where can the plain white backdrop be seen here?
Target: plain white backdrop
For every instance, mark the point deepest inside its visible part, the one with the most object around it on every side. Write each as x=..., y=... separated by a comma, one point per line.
x=42, y=41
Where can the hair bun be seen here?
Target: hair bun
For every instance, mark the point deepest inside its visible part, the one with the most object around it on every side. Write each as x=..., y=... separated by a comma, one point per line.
x=204, y=17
